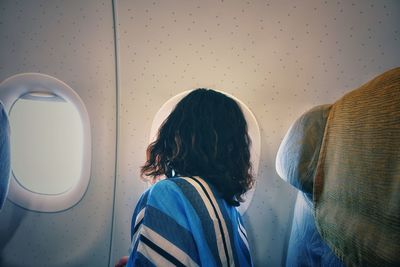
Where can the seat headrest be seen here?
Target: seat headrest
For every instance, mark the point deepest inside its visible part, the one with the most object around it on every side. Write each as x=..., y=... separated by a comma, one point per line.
x=348, y=156
x=4, y=155
x=357, y=181
x=298, y=153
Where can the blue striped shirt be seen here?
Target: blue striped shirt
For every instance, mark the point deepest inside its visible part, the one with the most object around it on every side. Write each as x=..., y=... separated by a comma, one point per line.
x=184, y=222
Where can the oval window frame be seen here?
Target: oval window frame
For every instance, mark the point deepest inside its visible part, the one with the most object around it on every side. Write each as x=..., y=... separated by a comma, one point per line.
x=253, y=130
x=12, y=89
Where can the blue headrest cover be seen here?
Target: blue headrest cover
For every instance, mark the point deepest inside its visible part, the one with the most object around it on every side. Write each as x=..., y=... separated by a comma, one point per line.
x=4, y=155
x=298, y=153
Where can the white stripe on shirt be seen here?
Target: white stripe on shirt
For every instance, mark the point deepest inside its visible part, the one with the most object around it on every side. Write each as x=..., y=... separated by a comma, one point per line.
x=224, y=228
x=218, y=234
x=153, y=256
x=138, y=220
x=167, y=246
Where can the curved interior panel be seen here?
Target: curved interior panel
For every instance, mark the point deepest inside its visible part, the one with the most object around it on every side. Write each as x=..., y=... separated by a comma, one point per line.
x=253, y=129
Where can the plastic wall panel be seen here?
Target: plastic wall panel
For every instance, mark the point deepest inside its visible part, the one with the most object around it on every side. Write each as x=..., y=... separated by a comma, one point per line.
x=279, y=57
x=72, y=41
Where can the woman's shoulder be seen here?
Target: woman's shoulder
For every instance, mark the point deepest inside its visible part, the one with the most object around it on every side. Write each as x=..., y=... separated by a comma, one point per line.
x=168, y=184
x=165, y=189
x=167, y=198
x=157, y=192
x=172, y=183
x=179, y=187
x=191, y=190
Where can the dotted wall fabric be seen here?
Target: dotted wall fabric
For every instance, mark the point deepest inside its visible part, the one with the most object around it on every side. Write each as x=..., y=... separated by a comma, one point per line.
x=72, y=41
x=279, y=57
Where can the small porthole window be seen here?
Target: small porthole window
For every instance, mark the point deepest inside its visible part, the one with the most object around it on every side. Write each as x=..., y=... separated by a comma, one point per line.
x=50, y=142
x=46, y=138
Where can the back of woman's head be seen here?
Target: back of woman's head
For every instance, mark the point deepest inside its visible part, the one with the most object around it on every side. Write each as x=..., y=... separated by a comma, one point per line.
x=205, y=135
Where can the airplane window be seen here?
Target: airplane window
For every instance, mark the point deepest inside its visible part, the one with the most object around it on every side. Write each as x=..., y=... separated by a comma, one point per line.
x=46, y=143
x=50, y=142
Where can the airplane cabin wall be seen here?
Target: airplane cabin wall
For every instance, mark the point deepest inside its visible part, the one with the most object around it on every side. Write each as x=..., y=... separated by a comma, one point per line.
x=74, y=42
x=279, y=57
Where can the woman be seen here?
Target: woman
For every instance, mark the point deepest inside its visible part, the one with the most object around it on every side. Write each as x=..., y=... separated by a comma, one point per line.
x=190, y=218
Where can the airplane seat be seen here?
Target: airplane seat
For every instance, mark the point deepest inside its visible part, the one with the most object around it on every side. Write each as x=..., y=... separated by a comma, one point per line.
x=4, y=155
x=345, y=158
x=296, y=163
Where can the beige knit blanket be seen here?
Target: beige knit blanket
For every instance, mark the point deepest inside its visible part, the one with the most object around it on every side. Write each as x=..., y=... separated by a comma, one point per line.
x=357, y=183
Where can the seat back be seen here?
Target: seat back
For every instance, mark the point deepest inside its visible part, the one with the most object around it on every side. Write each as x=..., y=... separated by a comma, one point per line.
x=296, y=163
x=346, y=158
x=4, y=155
x=357, y=180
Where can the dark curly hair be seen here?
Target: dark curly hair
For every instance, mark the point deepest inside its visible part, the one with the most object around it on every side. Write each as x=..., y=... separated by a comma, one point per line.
x=205, y=135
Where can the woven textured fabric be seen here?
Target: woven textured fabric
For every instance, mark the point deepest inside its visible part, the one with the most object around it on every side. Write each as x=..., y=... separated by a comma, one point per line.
x=357, y=182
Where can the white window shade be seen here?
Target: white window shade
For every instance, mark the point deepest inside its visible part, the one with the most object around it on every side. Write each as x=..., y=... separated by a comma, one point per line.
x=50, y=142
